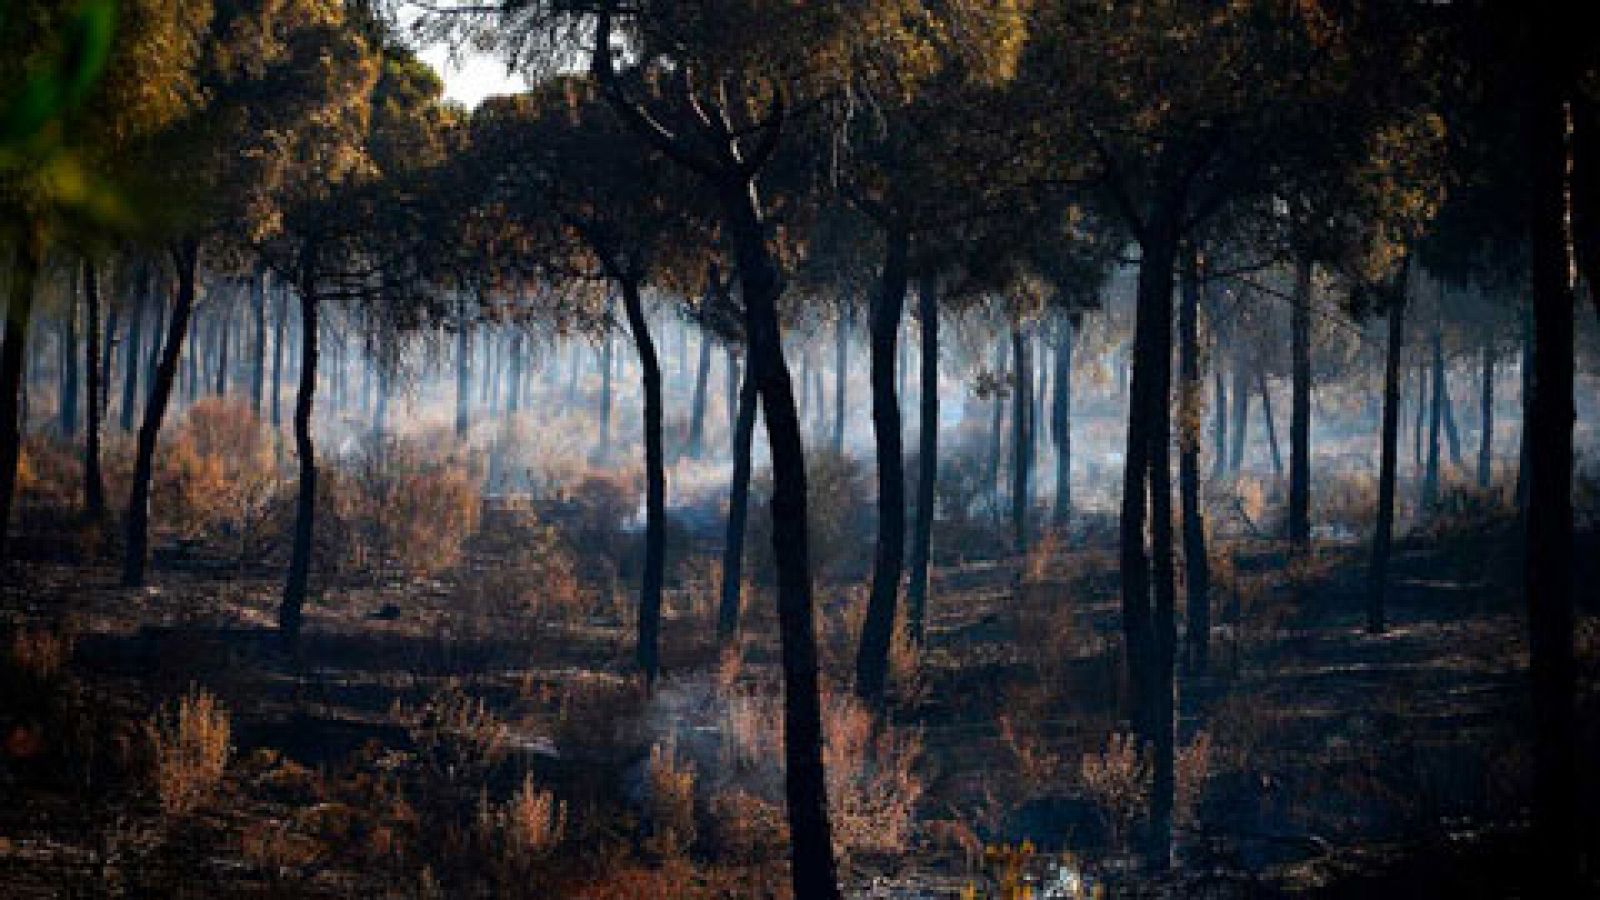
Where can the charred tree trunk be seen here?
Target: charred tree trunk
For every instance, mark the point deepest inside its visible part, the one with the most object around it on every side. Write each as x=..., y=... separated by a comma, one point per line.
x=186, y=262
x=1524, y=456
x=258, y=368
x=291, y=610
x=1452, y=434
x=224, y=325
x=1300, y=412
x=1272, y=429
x=29, y=261
x=1430, y=479
x=744, y=430
x=927, y=460
x=841, y=368
x=1021, y=439
x=697, y=416
x=877, y=630
x=1548, y=578
x=280, y=331
x=992, y=483
x=1389, y=451
x=1219, y=401
x=133, y=353
x=68, y=362
x=1196, y=563
x=648, y=653
x=1241, y=410
x=463, y=369
x=94, y=486
x=812, y=861
x=1486, y=412
x=1061, y=421
x=604, y=450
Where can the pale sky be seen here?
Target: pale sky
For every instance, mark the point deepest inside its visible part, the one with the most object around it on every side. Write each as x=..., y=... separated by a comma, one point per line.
x=477, y=76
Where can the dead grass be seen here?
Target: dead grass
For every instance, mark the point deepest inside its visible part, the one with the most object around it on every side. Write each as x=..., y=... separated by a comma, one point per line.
x=191, y=741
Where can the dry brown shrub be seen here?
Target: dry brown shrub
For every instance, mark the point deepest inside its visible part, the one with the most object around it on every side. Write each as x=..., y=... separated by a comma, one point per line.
x=670, y=807
x=1192, y=770
x=190, y=740
x=1117, y=780
x=1041, y=557
x=1038, y=767
x=600, y=718
x=746, y=828
x=525, y=829
x=458, y=737
x=873, y=786
x=530, y=572
x=40, y=653
x=218, y=476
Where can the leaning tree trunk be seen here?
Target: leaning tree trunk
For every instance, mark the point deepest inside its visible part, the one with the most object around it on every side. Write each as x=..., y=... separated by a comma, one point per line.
x=1486, y=411
x=744, y=430
x=877, y=630
x=186, y=259
x=1241, y=410
x=1548, y=580
x=94, y=486
x=648, y=653
x=1430, y=480
x=1389, y=451
x=1021, y=439
x=19, y=315
x=927, y=460
x=841, y=368
x=1300, y=412
x=1196, y=565
x=1272, y=428
x=1061, y=421
x=812, y=862
x=291, y=609
x=133, y=353
x=697, y=416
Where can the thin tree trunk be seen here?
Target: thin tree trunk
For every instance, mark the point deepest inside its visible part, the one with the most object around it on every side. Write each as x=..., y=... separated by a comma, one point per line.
x=841, y=368
x=223, y=327
x=648, y=654
x=1383, y=532
x=186, y=261
x=1021, y=439
x=877, y=630
x=1486, y=411
x=1451, y=433
x=1430, y=479
x=68, y=362
x=94, y=487
x=291, y=610
x=13, y=354
x=927, y=459
x=604, y=452
x=1524, y=454
x=744, y=429
x=1061, y=421
x=992, y=483
x=1196, y=564
x=133, y=353
x=258, y=369
x=1219, y=400
x=280, y=330
x=1300, y=412
x=1422, y=416
x=1272, y=430
x=463, y=369
x=1241, y=409
x=697, y=414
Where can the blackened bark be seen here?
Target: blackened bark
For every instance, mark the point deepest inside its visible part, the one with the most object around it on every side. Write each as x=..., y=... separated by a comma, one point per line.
x=1524, y=457
x=1300, y=411
x=841, y=369
x=291, y=609
x=258, y=368
x=94, y=487
x=1272, y=428
x=186, y=262
x=1550, y=413
x=697, y=414
x=223, y=327
x=744, y=429
x=1021, y=438
x=463, y=369
x=1389, y=451
x=1430, y=479
x=19, y=315
x=1451, y=433
x=604, y=451
x=877, y=629
x=1061, y=421
x=1196, y=563
x=513, y=380
x=68, y=391
x=927, y=460
x=280, y=332
x=648, y=652
x=1486, y=423
x=812, y=861
x=133, y=353
x=1241, y=410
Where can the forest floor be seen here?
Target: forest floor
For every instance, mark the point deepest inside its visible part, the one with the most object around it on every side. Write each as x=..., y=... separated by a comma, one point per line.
x=1318, y=760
